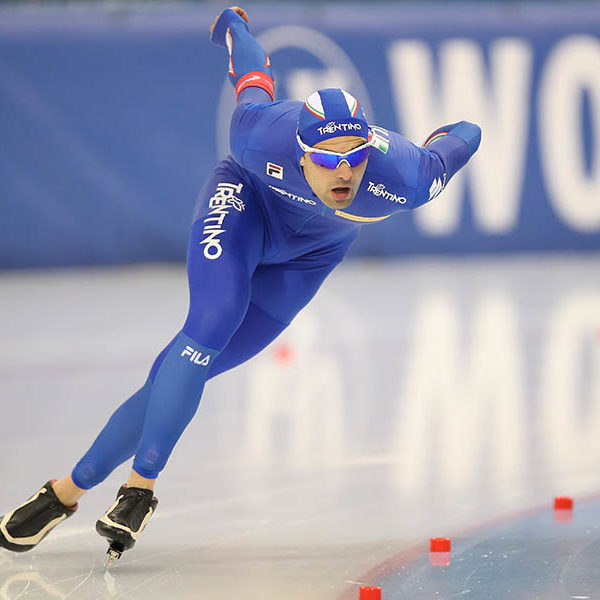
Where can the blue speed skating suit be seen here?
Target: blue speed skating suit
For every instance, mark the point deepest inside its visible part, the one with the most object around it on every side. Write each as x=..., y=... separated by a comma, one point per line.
x=261, y=244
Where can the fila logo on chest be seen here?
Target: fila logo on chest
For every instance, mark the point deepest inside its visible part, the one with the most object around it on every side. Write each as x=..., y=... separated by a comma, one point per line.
x=274, y=170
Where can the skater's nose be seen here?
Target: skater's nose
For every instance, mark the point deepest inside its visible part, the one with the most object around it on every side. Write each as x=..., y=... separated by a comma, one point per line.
x=343, y=171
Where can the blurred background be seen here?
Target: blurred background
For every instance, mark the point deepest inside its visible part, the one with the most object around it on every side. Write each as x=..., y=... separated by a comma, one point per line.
x=449, y=370
x=113, y=114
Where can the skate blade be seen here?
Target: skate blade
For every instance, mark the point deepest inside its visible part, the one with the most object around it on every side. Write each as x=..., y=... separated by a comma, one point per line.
x=114, y=554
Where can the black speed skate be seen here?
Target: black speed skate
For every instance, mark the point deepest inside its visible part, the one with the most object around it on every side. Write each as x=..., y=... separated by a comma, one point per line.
x=27, y=525
x=125, y=520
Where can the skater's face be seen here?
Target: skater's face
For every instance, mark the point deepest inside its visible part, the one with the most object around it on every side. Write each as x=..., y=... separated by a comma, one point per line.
x=336, y=188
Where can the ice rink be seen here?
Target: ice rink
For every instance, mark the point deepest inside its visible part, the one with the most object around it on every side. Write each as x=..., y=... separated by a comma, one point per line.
x=411, y=399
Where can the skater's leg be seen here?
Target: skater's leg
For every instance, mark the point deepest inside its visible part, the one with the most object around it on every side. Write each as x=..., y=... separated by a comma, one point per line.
x=225, y=246
x=279, y=292
x=258, y=330
x=282, y=289
x=244, y=226
x=115, y=443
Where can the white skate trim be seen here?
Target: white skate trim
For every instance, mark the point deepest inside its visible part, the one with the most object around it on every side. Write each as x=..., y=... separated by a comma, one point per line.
x=33, y=539
x=134, y=534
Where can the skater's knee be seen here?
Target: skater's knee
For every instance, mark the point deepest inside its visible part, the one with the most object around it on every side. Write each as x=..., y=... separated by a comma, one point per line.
x=85, y=476
x=213, y=324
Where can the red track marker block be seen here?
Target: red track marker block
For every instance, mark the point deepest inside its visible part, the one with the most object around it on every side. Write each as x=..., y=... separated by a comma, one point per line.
x=440, y=545
x=563, y=503
x=439, y=552
x=563, y=509
x=370, y=592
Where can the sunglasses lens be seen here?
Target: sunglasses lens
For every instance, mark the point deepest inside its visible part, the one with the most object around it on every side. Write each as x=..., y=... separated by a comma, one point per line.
x=357, y=157
x=331, y=161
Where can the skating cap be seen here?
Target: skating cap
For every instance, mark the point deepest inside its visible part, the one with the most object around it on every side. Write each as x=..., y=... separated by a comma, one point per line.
x=331, y=113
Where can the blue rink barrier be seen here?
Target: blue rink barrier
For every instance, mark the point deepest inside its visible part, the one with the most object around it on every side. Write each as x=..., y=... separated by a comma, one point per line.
x=111, y=118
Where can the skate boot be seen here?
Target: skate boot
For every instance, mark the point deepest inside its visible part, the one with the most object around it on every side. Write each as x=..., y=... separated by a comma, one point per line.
x=125, y=520
x=28, y=524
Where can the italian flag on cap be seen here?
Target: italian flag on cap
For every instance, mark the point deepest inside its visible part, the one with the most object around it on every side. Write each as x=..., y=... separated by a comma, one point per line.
x=314, y=104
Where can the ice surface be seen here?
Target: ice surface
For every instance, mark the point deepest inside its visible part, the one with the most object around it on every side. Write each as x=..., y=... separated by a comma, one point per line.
x=417, y=398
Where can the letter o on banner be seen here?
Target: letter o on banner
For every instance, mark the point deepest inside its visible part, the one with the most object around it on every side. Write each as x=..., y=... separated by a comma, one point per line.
x=572, y=68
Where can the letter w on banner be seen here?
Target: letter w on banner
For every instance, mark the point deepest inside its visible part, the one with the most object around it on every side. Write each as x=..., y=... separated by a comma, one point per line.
x=497, y=99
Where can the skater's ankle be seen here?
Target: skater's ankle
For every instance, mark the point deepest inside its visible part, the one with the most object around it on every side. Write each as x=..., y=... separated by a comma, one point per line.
x=67, y=492
x=137, y=481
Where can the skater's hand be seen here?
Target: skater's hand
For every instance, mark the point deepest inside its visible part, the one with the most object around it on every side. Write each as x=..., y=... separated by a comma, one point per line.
x=236, y=9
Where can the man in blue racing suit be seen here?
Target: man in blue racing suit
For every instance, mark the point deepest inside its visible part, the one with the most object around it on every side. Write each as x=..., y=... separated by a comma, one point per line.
x=274, y=219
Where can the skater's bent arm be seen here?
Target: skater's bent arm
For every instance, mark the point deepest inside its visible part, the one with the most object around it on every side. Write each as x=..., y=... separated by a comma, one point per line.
x=249, y=65
x=249, y=72
x=444, y=153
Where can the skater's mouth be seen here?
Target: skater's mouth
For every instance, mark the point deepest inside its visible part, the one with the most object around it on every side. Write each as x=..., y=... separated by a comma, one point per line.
x=341, y=193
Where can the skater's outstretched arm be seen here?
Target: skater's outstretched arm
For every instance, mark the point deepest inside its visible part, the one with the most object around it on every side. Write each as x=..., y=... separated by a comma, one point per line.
x=444, y=153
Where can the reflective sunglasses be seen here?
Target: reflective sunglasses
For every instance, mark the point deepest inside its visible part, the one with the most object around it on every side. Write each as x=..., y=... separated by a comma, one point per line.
x=332, y=160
